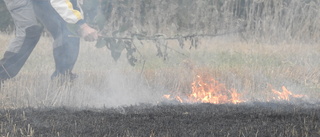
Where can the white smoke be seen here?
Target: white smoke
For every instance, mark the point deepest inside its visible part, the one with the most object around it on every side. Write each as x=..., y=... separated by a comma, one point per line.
x=119, y=89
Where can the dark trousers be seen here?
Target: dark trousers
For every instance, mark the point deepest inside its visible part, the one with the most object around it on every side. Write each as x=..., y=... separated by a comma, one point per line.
x=25, y=14
x=65, y=48
x=27, y=34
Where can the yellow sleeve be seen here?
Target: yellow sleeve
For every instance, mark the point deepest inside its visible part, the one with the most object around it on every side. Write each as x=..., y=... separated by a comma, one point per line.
x=65, y=9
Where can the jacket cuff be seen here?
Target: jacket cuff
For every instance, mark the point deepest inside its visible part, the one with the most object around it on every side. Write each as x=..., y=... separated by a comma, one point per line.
x=80, y=22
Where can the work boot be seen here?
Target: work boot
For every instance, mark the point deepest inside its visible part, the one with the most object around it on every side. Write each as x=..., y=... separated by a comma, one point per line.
x=64, y=78
x=73, y=76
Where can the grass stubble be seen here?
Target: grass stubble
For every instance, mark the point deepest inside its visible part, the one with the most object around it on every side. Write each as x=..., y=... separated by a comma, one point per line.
x=252, y=68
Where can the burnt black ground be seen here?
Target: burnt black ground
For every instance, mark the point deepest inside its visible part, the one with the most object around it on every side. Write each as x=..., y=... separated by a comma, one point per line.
x=253, y=119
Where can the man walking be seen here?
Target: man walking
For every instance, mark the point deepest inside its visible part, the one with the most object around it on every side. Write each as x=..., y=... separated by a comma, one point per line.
x=55, y=15
x=27, y=36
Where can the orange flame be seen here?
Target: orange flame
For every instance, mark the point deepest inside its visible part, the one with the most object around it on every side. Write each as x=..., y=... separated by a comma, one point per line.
x=285, y=94
x=208, y=90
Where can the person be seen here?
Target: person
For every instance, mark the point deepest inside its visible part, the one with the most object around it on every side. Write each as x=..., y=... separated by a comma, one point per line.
x=55, y=16
x=27, y=34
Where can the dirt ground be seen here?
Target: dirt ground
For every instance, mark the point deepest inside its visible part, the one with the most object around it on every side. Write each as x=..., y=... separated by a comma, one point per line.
x=251, y=119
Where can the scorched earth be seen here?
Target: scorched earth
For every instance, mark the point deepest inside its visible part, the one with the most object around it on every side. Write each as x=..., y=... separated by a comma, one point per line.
x=167, y=119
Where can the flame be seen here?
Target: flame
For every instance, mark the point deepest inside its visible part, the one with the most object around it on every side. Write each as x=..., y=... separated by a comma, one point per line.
x=285, y=94
x=209, y=90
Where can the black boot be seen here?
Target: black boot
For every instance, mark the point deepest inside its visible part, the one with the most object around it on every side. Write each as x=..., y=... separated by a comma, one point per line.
x=64, y=79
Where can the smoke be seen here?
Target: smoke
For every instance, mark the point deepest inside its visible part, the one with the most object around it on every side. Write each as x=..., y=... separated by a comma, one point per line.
x=117, y=88
x=121, y=90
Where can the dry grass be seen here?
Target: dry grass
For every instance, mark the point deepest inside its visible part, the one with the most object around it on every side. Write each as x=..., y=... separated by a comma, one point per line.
x=264, y=20
x=251, y=68
x=253, y=64
x=247, y=67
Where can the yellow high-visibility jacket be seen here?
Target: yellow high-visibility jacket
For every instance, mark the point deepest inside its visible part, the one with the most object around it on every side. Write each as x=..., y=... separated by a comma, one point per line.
x=69, y=10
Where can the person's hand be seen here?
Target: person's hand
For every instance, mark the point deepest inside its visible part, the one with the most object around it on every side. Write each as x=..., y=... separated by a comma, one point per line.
x=88, y=33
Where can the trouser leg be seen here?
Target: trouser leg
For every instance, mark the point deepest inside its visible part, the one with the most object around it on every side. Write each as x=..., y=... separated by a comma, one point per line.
x=12, y=62
x=65, y=48
x=27, y=33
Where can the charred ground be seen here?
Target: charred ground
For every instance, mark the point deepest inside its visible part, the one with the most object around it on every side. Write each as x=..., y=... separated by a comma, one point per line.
x=254, y=119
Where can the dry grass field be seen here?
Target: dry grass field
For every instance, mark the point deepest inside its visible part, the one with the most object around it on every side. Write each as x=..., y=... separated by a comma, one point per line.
x=115, y=99
x=255, y=72
x=251, y=68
